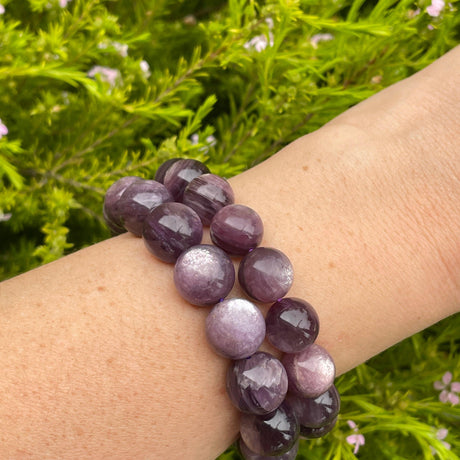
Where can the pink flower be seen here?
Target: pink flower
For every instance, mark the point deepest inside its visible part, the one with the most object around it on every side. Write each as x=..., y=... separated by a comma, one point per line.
x=63, y=3
x=3, y=129
x=320, y=38
x=145, y=68
x=435, y=8
x=259, y=42
x=356, y=439
x=448, y=389
x=111, y=76
x=441, y=434
x=2, y=9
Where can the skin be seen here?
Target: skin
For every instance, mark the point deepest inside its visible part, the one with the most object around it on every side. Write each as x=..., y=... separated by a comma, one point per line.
x=101, y=358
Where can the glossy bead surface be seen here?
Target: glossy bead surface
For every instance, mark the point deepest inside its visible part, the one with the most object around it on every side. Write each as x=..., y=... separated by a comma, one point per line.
x=204, y=274
x=313, y=433
x=248, y=454
x=137, y=201
x=207, y=194
x=258, y=384
x=310, y=372
x=235, y=328
x=271, y=434
x=161, y=171
x=113, y=194
x=237, y=229
x=266, y=274
x=292, y=324
x=170, y=229
x=316, y=412
x=180, y=174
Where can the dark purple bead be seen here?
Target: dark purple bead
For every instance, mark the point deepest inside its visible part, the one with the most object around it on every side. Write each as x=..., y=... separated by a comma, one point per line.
x=266, y=274
x=313, y=433
x=310, y=372
x=258, y=384
x=137, y=201
x=180, y=174
x=271, y=434
x=113, y=194
x=292, y=324
x=170, y=229
x=248, y=454
x=316, y=412
x=235, y=328
x=204, y=274
x=161, y=171
x=237, y=229
x=207, y=194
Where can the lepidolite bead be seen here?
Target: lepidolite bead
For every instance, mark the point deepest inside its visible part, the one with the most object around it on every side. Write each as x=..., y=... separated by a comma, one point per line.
x=237, y=229
x=170, y=229
x=266, y=274
x=235, y=328
x=258, y=384
x=161, y=171
x=180, y=174
x=310, y=372
x=207, y=194
x=113, y=194
x=271, y=434
x=137, y=201
x=204, y=274
x=248, y=454
x=292, y=324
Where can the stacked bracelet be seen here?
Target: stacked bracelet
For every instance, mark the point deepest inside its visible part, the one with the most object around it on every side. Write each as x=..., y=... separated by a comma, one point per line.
x=279, y=399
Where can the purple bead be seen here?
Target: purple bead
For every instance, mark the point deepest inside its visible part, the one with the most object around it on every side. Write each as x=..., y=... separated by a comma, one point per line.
x=266, y=274
x=137, y=201
x=310, y=372
x=271, y=434
x=258, y=384
x=207, y=194
x=313, y=433
x=292, y=324
x=204, y=274
x=248, y=454
x=113, y=194
x=235, y=328
x=170, y=229
x=316, y=412
x=161, y=171
x=237, y=229
x=180, y=174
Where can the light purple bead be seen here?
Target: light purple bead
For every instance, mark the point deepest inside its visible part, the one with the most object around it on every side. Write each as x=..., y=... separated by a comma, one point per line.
x=137, y=201
x=313, y=433
x=207, y=194
x=258, y=384
x=266, y=274
x=204, y=275
x=310, y=372
x=292, y=324
x=248, y=454
x=237, y=229
x=180, y=174
x=170, y=229
x=235, y=328
x=271, y=434
x=113, y=194
x=161, y=171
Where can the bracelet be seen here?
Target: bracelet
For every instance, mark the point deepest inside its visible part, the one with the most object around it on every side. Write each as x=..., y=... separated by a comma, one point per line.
x=279, y=400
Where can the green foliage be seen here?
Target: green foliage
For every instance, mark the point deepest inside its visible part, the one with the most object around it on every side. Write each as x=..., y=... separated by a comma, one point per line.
x=74, y=128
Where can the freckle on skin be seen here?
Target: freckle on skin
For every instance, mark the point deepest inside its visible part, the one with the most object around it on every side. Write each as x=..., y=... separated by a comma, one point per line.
x=305, y=168
x=101, y=288
x=331, y=264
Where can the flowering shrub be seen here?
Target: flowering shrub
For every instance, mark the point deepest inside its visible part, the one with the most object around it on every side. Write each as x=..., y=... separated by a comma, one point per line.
x=94, y=90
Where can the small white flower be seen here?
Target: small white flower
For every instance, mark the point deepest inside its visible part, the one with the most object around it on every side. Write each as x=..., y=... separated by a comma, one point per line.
x=63, y=3
x=111, y=76
x=269, y=22
x=3, y=129
x=122, y=48
x=259, y=42
x=211, y=141
x=435, y=8
x=320, y=38
x=145, y=68
x=2, y=9
x=5, y=217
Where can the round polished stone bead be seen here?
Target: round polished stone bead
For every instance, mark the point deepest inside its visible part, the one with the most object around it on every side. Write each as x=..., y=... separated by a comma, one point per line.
x=180, y=174
x=292, y=324
x=137, y=201
x=161, y=171
x=310, y=372
x=204, y=274
x=258, y=384
x=113, y=194
x=313, y=433
x=170, y=229
x=266, y=274
x=316, y=412
x=248, y=454
x=271, y=434
x=207, y=194
x=235, y=328
x=237, y=229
